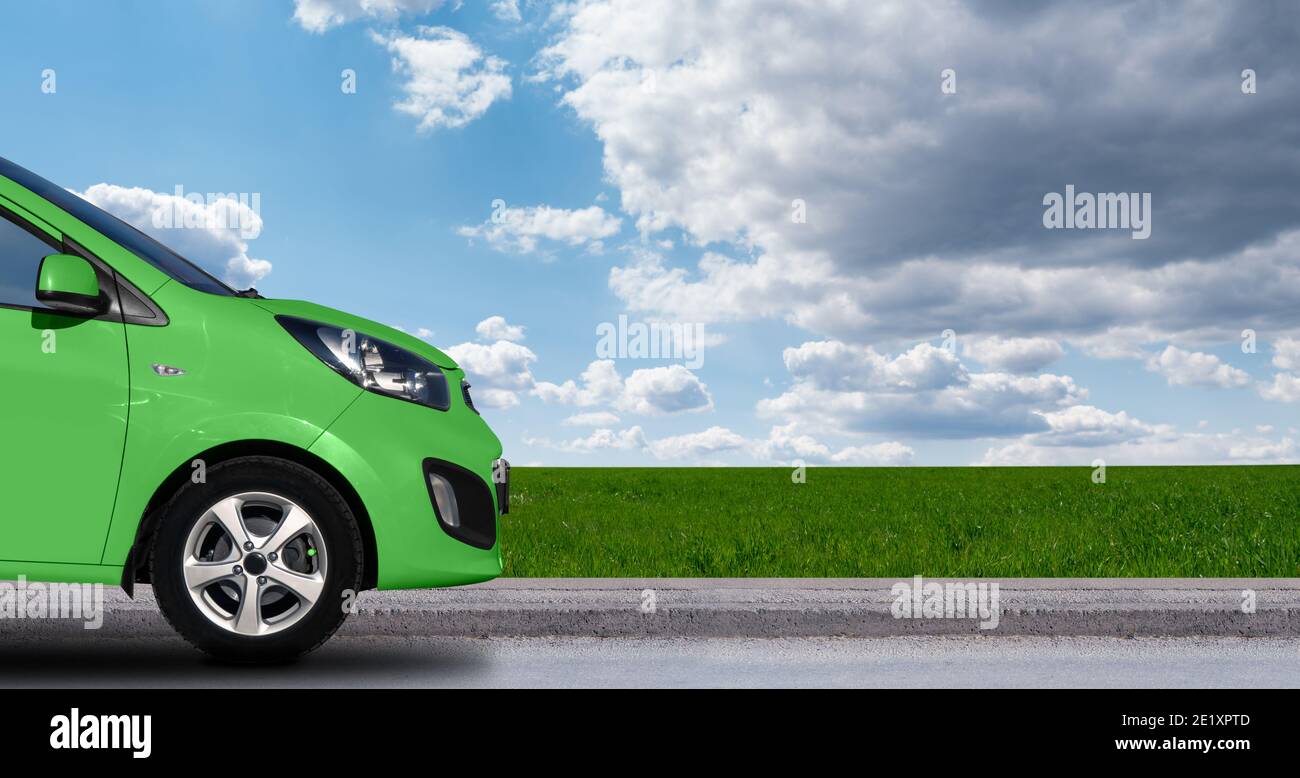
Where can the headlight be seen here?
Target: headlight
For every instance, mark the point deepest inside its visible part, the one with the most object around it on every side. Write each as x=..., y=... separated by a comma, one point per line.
x=372, y=364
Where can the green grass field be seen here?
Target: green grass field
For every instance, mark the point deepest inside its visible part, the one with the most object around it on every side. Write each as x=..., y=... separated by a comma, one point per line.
x=964, y=522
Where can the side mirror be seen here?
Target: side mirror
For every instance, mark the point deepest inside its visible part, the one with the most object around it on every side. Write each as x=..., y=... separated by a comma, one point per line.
x=68, y=284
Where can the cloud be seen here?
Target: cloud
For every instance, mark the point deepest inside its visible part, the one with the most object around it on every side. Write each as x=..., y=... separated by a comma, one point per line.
x=924, y=392
x=1014, y=355
x=214, y=238
x=497, y=371
x=713, y=440
x=890, y=454
x=1163, y=449
x=1087, y=426
x=659, y=390
x=592, y=419
x=1284, y=388
x=506, y=10
x=1114, y=312
x=631, y=439
x=652, y=391
x=601, y=384
x=496, y=328
x=1188, y=368
x=321, y=15
x=519, y=230
x=450, y=82
x=495, y=398
x=785, y=444
x=1286, y=353
x=923, y=209
x=840, y=366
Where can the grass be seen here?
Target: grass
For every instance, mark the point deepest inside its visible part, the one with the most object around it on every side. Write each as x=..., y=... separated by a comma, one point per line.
x=895, y=523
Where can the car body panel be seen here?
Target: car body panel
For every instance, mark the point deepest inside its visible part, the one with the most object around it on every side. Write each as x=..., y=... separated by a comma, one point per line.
x=244, y=379
x=63, y=409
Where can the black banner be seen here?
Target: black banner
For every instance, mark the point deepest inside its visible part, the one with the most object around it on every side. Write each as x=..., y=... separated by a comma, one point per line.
x=301, y=725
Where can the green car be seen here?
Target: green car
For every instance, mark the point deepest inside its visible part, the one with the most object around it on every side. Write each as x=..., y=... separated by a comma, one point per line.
x=257, y=461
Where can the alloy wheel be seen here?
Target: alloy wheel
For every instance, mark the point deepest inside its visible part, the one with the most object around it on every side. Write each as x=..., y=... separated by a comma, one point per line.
x=255, y=563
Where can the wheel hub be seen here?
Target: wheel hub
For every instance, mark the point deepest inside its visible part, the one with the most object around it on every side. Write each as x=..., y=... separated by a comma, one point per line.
x=255, y=563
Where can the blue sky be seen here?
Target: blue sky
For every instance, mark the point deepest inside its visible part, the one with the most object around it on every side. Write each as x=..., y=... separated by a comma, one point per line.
x=648, y=162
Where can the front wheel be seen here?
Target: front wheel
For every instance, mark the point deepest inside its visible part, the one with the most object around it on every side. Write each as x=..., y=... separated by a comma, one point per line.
x=254, y=565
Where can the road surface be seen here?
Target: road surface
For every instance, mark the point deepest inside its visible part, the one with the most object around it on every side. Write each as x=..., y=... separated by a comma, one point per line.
x=1024, y=661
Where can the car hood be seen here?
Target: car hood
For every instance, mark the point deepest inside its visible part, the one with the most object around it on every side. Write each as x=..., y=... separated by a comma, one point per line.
x=327, y=315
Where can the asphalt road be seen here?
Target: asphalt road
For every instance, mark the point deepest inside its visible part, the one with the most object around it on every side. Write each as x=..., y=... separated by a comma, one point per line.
x=675, y=662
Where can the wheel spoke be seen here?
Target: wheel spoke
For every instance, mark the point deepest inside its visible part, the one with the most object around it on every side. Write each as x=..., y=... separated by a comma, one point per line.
x=228, y=515
x=249, y=619
x=199, y=574
x=294, y=523
x=306, y=588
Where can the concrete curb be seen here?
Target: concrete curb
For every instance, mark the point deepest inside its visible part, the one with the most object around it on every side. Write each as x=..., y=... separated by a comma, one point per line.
x=769, y=608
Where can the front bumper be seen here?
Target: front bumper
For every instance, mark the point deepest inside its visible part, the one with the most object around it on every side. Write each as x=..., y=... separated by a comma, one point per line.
x=379, y=445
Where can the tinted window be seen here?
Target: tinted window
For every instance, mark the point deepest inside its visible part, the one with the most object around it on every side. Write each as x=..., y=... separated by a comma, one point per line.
x=116, y=230
x=21, y=253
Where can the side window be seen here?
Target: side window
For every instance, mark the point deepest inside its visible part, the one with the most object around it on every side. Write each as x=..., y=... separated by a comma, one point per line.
x=21, y=253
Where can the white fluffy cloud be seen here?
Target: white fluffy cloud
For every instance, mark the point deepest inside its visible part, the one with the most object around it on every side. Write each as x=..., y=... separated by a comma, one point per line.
x=889, y=454
x=630, y=439
x=1165, y=449
x=660, y=390
x=1285, y=387
x=506, y=10
x=1087, y=426
x=1081, y=434
x=924, y=391
x=496, y=328
x=601, y=384
x=450, y=82
x=1193, y=368
x=496, y=370
x=840, y=366
x=1113, y=311
x=1286, y=353
x=647, y=391
x=591, y=419
x=1014, y=355
x=694, y=445
x=322, y=15
x=214, y=238
x=784, y=445
x=520, y=229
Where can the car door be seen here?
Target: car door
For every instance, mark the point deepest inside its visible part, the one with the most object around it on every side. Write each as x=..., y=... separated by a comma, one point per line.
x=63, y=412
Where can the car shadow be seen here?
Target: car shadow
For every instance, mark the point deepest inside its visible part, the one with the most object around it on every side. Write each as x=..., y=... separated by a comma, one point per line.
x=88, y=662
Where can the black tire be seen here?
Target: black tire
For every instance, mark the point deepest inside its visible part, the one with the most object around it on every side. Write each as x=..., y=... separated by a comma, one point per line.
x=334, y=520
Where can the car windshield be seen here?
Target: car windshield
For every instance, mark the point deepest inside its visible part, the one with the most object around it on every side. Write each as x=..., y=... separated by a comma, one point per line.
x=118, y=231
